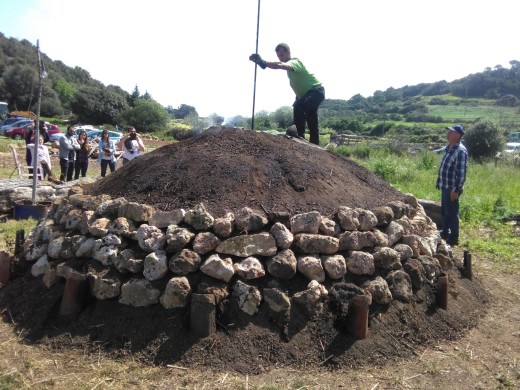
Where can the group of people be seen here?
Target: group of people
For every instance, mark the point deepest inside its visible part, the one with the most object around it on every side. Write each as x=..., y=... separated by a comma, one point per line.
x=75, y=152
x=309, y=95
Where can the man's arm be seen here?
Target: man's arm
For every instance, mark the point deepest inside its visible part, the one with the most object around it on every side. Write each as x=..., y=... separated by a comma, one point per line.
x=279, y=65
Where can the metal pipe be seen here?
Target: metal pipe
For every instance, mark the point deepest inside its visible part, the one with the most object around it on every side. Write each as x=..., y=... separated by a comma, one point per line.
x=256, y=67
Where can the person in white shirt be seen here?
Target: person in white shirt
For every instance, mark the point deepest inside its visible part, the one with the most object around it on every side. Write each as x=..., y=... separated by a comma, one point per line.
x=44, y=160
x=131, y=144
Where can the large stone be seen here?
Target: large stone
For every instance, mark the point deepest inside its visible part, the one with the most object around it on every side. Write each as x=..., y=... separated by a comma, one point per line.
x=306, y=223
x=150, y=238
x=248, y=297
x=155, y=265
x=360, y=263
x=250, y=268
x=218, y=268
x=177, y=238
x=283, y=265
x=249, y=220
x=185, y=262
x=103, y=288
x=136, y=211
x=163, y=219
x=379, y=290
x=348, y=218
x=311, y=267
x=335, y=266
x=400, y=285
x=176, y=293
x=199, y=218
x=385, y=258
x=283, y=236
x=205, y=242
x=223, y=227
x=276, y=300
x=316, y=243
x=260, y=244
x=139, y=293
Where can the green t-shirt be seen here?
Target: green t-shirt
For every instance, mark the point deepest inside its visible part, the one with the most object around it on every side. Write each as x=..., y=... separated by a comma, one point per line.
x=300, y=79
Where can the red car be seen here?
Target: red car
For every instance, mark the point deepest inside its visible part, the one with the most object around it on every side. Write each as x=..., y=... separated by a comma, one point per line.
x=20, y=132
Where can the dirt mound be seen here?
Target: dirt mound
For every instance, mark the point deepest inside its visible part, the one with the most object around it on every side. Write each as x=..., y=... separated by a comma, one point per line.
x=227, y=169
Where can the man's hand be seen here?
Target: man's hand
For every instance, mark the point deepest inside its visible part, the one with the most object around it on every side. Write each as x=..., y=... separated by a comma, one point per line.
x=258, y=60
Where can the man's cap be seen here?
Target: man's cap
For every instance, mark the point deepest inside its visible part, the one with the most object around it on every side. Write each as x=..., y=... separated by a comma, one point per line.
x=457, y=128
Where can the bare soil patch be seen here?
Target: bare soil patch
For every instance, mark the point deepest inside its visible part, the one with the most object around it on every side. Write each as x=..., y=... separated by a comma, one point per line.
x=226, y=170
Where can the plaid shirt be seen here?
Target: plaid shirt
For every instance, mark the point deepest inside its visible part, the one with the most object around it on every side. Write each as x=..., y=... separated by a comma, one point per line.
x=452, y=172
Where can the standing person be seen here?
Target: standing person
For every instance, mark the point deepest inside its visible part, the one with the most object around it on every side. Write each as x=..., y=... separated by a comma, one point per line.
x=82, y=155
x=309, y=91
x=68, y=147
x=452, y=175
x=107, y=150
x=29, y=138
x=131, y=144
x=44, y=160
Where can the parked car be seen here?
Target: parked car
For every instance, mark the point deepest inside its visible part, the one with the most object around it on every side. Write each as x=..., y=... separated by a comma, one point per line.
x=17, y=132
x=21, y=131
x=56, y=136
x=19, y=122
x=512, y=147
x=114, y=135
x=52, y=128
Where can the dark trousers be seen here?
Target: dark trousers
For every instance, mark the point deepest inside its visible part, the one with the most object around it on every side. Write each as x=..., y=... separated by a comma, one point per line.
x=305, y=109
x=450, y=217
x=67, y=169
x=104, y=164
x=80, y=167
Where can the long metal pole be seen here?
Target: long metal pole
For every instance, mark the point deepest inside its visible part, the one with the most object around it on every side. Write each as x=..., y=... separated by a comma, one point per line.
x=37, y=126
x=256, y=67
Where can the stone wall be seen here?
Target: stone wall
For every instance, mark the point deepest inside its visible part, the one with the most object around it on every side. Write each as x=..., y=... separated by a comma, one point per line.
x=141, y=256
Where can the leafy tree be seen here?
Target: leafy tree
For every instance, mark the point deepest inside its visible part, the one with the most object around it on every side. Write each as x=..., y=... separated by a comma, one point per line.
x=283, y=117
x=65, y=91
x=237, y=121
x=134, y=96
x=146, y=116
x=183, y=111
x=216, y=120
x=97, y=105
x=484, y=140
x=20, y=84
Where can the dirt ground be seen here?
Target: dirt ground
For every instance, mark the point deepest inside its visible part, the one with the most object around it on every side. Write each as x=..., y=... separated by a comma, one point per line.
x=474, y=344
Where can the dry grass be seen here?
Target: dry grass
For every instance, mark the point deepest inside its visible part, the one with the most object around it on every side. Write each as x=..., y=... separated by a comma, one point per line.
x=487, y=358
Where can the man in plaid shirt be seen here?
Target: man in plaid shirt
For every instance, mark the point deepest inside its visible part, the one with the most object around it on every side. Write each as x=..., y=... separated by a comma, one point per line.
x=452, y=174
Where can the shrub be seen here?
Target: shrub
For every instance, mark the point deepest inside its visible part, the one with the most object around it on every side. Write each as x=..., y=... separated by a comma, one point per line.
x=426, y=161
x=484, y=140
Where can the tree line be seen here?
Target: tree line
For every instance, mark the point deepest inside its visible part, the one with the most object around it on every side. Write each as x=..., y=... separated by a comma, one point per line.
x=71, y=91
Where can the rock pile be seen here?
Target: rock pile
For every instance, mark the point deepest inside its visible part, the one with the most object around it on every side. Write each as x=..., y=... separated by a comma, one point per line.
x=141, y=256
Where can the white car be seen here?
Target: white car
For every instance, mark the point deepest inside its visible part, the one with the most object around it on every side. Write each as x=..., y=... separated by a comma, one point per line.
x=512, y=147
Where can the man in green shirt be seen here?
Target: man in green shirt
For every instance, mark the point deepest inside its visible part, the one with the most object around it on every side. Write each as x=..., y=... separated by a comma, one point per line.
x=309, y=91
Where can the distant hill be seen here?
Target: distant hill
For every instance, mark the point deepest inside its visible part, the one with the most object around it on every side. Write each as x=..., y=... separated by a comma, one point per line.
x=496, y=91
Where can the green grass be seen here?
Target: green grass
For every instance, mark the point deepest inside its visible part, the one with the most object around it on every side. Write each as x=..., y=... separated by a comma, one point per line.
x=467, y=113
x=491, y=197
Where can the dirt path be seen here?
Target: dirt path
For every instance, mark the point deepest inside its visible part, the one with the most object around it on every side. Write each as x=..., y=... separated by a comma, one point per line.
x=488, y=357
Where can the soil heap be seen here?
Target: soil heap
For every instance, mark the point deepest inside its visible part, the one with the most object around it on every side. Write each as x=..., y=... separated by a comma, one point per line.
x=228, y=169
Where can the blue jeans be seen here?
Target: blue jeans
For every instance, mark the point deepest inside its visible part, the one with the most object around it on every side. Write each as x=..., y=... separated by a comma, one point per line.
x=450, y=217
x=104, y=164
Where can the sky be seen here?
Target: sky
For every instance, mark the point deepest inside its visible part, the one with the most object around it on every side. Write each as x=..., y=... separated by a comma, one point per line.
x=196, y=52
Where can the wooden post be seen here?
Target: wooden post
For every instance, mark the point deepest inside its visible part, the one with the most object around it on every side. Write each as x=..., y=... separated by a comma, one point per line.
x=442, y=292
x=74, y=294
x=202, y=315
x=467, y=265
x=358, y=313
x=18, y=244
x=5, y=267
